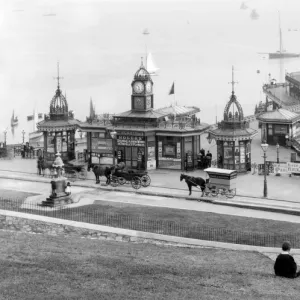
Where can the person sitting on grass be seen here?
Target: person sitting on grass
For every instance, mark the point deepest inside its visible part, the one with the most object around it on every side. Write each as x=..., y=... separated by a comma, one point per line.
x=285, y=265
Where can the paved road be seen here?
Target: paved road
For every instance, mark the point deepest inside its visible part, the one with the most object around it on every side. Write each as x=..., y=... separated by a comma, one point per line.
x=90, y=195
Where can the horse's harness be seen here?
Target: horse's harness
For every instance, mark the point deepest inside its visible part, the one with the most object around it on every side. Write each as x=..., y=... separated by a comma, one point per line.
x=188, y=179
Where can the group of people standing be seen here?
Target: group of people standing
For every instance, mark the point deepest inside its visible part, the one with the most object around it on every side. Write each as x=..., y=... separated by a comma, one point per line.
x=204, y=160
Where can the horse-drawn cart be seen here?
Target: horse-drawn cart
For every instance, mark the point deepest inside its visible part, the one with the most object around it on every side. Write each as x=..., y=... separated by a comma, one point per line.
x=135, y=177
x=221, y=181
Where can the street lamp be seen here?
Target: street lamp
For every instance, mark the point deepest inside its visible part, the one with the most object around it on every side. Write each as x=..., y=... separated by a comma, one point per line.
x=5, y=133
x=23, y=133
x=277, y=147
x=209, y=138
x=265, y=148
x=113, y=135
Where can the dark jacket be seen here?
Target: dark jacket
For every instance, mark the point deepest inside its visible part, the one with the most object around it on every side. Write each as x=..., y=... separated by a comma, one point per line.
x=285, y=266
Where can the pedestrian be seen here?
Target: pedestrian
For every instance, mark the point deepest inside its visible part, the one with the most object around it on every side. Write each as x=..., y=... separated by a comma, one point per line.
x=209, y=158
x=220, y=161
x=285, y=265
x=68, y=189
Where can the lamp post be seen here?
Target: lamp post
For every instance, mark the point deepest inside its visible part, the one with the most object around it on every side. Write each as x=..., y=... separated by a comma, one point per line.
x=113, y=135
x=209, y=138
x=277, y=148
x=5, y=133
x=265, y=148
x=23, y=133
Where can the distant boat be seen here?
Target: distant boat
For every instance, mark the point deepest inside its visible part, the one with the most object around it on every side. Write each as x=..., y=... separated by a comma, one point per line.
x=146, y=31
x=150, y=65
x=282, y=53
x=14, y=120
x=49, y=14
x=243, y=6
x=254, y=15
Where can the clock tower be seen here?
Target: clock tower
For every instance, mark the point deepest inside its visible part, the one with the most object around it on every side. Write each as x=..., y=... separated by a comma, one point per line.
x=142, y=90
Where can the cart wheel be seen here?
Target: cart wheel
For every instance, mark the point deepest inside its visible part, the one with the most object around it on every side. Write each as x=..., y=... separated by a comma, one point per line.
x=121, y=180
x=145, y=180
x=230, y=193
x=136, y=182
x=114, y=181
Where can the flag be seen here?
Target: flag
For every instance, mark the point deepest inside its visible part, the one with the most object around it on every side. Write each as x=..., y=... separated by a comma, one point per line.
x=30, y=118
x=40, y=116
x=172, y=90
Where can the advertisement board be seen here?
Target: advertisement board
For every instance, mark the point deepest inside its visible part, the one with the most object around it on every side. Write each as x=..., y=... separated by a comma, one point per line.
x=126, y=140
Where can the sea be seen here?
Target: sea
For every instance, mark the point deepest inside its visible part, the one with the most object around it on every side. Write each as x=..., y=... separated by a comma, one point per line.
x=100, y=45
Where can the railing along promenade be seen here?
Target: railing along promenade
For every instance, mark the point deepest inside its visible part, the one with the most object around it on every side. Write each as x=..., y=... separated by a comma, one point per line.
x=267, y=90
x=90, y=214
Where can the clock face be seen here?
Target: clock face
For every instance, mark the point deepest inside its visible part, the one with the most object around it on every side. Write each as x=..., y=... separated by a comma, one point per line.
x=138, y=87
x=148, y=87
x=138, y=102
x=148, y=102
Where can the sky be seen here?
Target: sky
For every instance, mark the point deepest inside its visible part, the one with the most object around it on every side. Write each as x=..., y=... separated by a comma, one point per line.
x=99, y=45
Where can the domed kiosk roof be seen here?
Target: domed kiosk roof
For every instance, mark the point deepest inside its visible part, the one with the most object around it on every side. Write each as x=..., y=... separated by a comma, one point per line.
x=142, y=73
x=59, y=118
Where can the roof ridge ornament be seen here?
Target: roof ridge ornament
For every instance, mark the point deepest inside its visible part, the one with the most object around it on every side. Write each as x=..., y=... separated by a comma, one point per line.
x=232, y=80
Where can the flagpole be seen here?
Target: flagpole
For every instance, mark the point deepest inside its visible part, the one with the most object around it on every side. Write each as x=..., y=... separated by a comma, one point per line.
x=174, y=94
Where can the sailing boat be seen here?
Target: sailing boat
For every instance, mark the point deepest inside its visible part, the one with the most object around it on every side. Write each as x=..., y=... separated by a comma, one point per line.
x=282, y=53
x=243, y=6
x=150, y=65
x=254, y=15
x=14, y=120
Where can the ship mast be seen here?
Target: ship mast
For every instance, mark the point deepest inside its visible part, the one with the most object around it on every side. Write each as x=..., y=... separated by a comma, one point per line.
x=280, y=36
x=145, y=33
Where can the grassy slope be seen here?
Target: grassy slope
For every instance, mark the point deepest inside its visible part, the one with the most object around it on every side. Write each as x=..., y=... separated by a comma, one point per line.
x=184, y=217
x=45, y=267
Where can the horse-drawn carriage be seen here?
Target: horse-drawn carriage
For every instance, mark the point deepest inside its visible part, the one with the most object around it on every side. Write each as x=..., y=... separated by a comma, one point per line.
x=135, y=177
x=220, y=181
x=119, y=175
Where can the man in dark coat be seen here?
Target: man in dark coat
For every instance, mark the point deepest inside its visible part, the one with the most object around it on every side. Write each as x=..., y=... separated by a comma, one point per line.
x=285, y=265
x=209, y=158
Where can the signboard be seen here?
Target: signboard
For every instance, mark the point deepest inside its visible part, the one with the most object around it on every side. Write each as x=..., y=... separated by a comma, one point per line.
x=102, y=144
x=125, y=140
x=160, y=149
x=178, y=150
x=151, y=165
x=189, y=161
x=139, y=157
x=58, y=144
x=151, y=153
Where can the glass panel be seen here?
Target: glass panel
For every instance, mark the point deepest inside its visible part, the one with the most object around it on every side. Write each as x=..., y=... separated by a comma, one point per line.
x=127, y=153
x=134, y=153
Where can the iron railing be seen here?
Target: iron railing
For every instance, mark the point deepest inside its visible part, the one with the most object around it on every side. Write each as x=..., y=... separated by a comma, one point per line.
x=88, y=214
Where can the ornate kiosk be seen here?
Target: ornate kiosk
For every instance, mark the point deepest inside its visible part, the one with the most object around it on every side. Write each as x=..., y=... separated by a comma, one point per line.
x=233, y=137
x=59, y=129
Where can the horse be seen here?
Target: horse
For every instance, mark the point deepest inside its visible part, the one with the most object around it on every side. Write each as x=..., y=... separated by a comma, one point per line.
x=194, y=181
x=100, y=171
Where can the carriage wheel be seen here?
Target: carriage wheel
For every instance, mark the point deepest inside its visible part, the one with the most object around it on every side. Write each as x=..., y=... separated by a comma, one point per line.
x=145, y=179
x=214, y=191
x=114, y=181
x=136, y=182
x=230, y=193
x=121, y=180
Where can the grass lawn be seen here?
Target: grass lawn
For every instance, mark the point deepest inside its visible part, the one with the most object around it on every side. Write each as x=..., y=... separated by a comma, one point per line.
x=185, y=223
x=47, y=267
x=13, y=199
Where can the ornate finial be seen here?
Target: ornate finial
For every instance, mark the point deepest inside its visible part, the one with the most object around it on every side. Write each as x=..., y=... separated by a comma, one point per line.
x=233, y=82
x=58, y=75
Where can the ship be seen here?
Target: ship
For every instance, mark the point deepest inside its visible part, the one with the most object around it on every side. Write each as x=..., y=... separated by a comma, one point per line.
x=281, y=53
x=14, y=120
x=254, y=15
x=150, y=65
x=243, y=6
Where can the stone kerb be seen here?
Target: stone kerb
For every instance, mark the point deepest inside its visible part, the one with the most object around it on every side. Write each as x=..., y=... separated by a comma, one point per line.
x=35, y=224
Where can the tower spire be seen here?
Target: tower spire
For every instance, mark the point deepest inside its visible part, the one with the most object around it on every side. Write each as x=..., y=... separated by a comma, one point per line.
x=58, y=75
x=232, y=81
